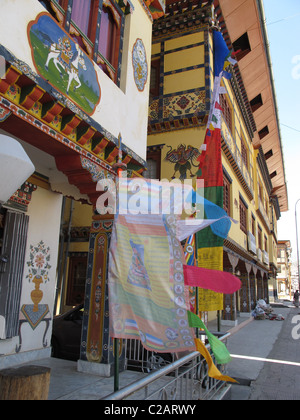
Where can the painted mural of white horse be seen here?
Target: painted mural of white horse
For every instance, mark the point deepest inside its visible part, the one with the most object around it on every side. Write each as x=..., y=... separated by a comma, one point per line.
x=70, y=66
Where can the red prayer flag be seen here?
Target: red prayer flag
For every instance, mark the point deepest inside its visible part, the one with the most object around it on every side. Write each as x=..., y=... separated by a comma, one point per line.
x=210, y=160
x=218, y=281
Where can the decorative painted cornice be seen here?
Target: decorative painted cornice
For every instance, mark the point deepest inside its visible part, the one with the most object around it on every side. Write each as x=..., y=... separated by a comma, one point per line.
x=32, y=98
x=22, y=197
x=182, y=16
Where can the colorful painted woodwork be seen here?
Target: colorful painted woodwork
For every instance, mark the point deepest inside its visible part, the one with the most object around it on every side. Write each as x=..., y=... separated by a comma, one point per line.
x=28, y=96
x=63, y=63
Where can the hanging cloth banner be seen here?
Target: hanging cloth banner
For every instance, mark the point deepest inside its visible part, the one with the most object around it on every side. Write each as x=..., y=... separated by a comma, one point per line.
x=190, y=259
x=188, y=227
x=218, y=281
x=209, y=243
x=218, y=348
x=213, y=371
x=148, y=297
x=189, y=250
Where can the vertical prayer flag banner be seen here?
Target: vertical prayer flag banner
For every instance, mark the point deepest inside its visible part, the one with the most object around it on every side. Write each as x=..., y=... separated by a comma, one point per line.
x=212, y=258
x=148, y=293
x=190, y=259
x=148, y=297
x=209, y=242
x=189, y=250
x=150, y=276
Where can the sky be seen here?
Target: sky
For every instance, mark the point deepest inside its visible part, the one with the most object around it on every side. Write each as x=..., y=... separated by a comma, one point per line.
x=282, y=19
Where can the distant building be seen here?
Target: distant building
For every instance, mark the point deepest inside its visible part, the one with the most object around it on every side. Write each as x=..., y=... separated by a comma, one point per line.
x=284, y=266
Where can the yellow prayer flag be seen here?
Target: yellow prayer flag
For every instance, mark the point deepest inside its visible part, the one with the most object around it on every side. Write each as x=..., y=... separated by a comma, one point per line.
x=213, y=371
x=210, y=258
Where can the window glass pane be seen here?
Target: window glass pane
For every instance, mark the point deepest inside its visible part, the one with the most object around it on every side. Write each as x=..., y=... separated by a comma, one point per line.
x=151, y=169
x=81, y=14
x=76, y=280
x=106, y=34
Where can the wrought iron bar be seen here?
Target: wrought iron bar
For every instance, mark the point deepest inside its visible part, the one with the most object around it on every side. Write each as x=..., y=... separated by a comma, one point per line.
x=184, y=379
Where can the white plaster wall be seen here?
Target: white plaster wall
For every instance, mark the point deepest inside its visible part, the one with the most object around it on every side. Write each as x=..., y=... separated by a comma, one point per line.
x=123, y=110
x=44, y=225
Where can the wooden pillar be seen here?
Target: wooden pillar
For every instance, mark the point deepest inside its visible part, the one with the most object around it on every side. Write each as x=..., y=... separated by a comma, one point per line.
x=97, y=351
x=229, y=313
x=252, y=291
x=253, y=287
x=266, y=288
x=245, y=291
x=260, y=292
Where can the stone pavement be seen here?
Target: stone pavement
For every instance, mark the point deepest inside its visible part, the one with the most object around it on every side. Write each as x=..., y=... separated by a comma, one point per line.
x=266, y=358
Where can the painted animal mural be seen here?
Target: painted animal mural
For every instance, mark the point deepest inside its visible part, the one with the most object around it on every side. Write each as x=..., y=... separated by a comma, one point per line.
x=64, y=59
x=63, y=64
x=184, y=158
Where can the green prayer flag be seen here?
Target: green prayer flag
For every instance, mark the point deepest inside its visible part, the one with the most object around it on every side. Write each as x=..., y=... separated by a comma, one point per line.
x=219, y=349
x=214, y=119
x=206, y=238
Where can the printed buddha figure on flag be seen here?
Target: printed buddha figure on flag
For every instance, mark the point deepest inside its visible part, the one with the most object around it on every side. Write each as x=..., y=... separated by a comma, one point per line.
x=138, y=275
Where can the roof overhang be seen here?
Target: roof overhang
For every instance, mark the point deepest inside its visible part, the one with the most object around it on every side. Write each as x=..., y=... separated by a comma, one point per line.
x=257, y=76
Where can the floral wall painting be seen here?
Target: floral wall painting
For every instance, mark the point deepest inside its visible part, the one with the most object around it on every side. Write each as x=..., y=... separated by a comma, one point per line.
x=38, y=262
x=61, y=61
x=184, y=158
x=140, y=66
x=38, y=270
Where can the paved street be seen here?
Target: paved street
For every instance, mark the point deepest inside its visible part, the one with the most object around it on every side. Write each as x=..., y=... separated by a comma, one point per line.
x=266, y=359
x=278, y=381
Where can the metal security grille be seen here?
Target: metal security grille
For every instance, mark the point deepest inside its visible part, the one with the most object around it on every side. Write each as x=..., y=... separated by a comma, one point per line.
x=11, y=272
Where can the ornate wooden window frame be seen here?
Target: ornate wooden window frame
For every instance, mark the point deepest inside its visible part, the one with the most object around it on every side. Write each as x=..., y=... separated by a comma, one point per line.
x=90, y=41
x=226, y=194
x=243, y=216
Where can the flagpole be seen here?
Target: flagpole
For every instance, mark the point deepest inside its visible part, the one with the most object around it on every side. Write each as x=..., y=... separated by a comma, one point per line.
x=119, y=167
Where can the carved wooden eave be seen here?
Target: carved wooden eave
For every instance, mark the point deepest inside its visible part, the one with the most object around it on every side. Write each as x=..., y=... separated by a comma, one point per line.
x=179, y=123
x=237, y=80
x=31, y=111
x=182, y=15
x=255, y=77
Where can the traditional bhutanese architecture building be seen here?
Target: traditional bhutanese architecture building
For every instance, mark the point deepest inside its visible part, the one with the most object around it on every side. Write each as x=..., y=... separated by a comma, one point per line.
x=74, y=92
x=254, y=184
x=284, y=265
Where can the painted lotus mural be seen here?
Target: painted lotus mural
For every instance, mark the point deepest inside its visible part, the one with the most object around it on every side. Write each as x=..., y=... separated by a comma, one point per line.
x=62, y=62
